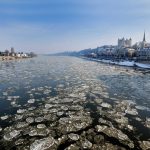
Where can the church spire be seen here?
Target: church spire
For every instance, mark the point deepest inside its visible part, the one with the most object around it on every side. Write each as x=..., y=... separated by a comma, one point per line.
x=144, y=39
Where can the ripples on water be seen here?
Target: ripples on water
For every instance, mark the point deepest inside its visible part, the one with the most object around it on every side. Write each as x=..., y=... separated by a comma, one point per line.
x=72, y=90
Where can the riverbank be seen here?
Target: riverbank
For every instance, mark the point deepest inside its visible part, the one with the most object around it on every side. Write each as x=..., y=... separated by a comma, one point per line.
x=122, y=63
x=8, y=58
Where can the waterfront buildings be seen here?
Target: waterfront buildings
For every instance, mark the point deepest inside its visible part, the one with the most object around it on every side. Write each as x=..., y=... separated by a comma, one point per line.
x=124, y=50
x=143, y=49
x=139, y=51
x=14, y=54
x=144, y=53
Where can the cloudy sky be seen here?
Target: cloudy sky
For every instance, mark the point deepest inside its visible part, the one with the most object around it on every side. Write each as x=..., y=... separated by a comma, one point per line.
x=48, y=26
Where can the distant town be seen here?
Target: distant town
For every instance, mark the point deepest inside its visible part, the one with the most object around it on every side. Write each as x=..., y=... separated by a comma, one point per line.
x=139, y=51
x=11, y=55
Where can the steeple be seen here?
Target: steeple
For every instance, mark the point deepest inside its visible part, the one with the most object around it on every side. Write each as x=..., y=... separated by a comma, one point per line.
x=144, y=39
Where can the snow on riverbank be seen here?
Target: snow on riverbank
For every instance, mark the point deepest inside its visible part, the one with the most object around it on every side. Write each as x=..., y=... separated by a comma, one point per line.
x=122, y=63
x=143, y=65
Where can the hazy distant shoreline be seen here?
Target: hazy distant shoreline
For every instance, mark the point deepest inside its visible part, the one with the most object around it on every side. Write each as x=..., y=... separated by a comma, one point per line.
x=8, y=58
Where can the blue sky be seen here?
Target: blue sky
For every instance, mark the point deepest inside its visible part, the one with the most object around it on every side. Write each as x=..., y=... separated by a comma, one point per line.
x=47, y=26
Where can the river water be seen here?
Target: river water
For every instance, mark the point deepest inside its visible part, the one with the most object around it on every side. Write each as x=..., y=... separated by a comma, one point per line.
x=42, y=99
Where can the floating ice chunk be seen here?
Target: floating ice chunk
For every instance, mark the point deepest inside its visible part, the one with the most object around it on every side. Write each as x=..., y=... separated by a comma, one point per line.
x=19, y=142
x=46, y=92
x=31, y=108
x=99, y=101
x=73, y=95
x=39, y=119
x=43, y=144
x=29, y=92
x=106, y=105
x=36, y=93
x=21, y=111
x=63, y=120
x=102, y=121
x=65, y=108
x=130, y=127
x=4, y=117
x=130, y=102
x=86, y=144
x=18, y=117
x=43, y=132
x=33, y=132
x=41, y=126
x=9, y=98
x=118, y=134
x=101, y=128
x=33, y=89
x=54, y=110
x=60, y=113
x=66, y=100
x=1, y=129
x=142, y=108
x=122, y=120
x=48, y=117
x=72, y=147
x=138, y=119
x=40, y=88
x=60, y=86
x=148, y=122
x=73, y=136
x=5, y=93
x=12, y=97
x=31, y=101
x=145, y=145
x=148, y=119
x=13, y=103
x=21, y=124
x=131, y=112
x=30, y=120
x=62, y=139
x=31, y=95
x=11, y=135
x=16, y=97
x=79, y=125
x=47, y=106
x=122, y=136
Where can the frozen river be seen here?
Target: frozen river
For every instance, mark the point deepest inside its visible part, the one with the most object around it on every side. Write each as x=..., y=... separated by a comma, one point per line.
x=70, y=103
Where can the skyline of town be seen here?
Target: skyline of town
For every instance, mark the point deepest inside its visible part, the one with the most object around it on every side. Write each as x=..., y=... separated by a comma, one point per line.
x=116, y=43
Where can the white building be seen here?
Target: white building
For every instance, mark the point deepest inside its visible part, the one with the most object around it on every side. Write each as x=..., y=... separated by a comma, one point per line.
x=106, y=50
x=144, y=53
x=18, y=55
x=124, y=43
x=24, y=55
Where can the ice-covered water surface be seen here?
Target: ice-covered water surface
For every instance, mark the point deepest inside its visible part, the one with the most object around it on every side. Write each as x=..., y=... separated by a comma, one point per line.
x=70, y=103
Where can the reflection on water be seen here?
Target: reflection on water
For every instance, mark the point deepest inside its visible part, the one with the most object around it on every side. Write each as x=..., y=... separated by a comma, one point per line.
x=103, y=106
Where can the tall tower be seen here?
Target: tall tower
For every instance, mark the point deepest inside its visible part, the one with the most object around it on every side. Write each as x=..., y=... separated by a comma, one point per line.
x=143, y=44
x=144, y=39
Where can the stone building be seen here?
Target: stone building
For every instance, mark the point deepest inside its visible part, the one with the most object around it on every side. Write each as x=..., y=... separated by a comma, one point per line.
x=124, y=43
